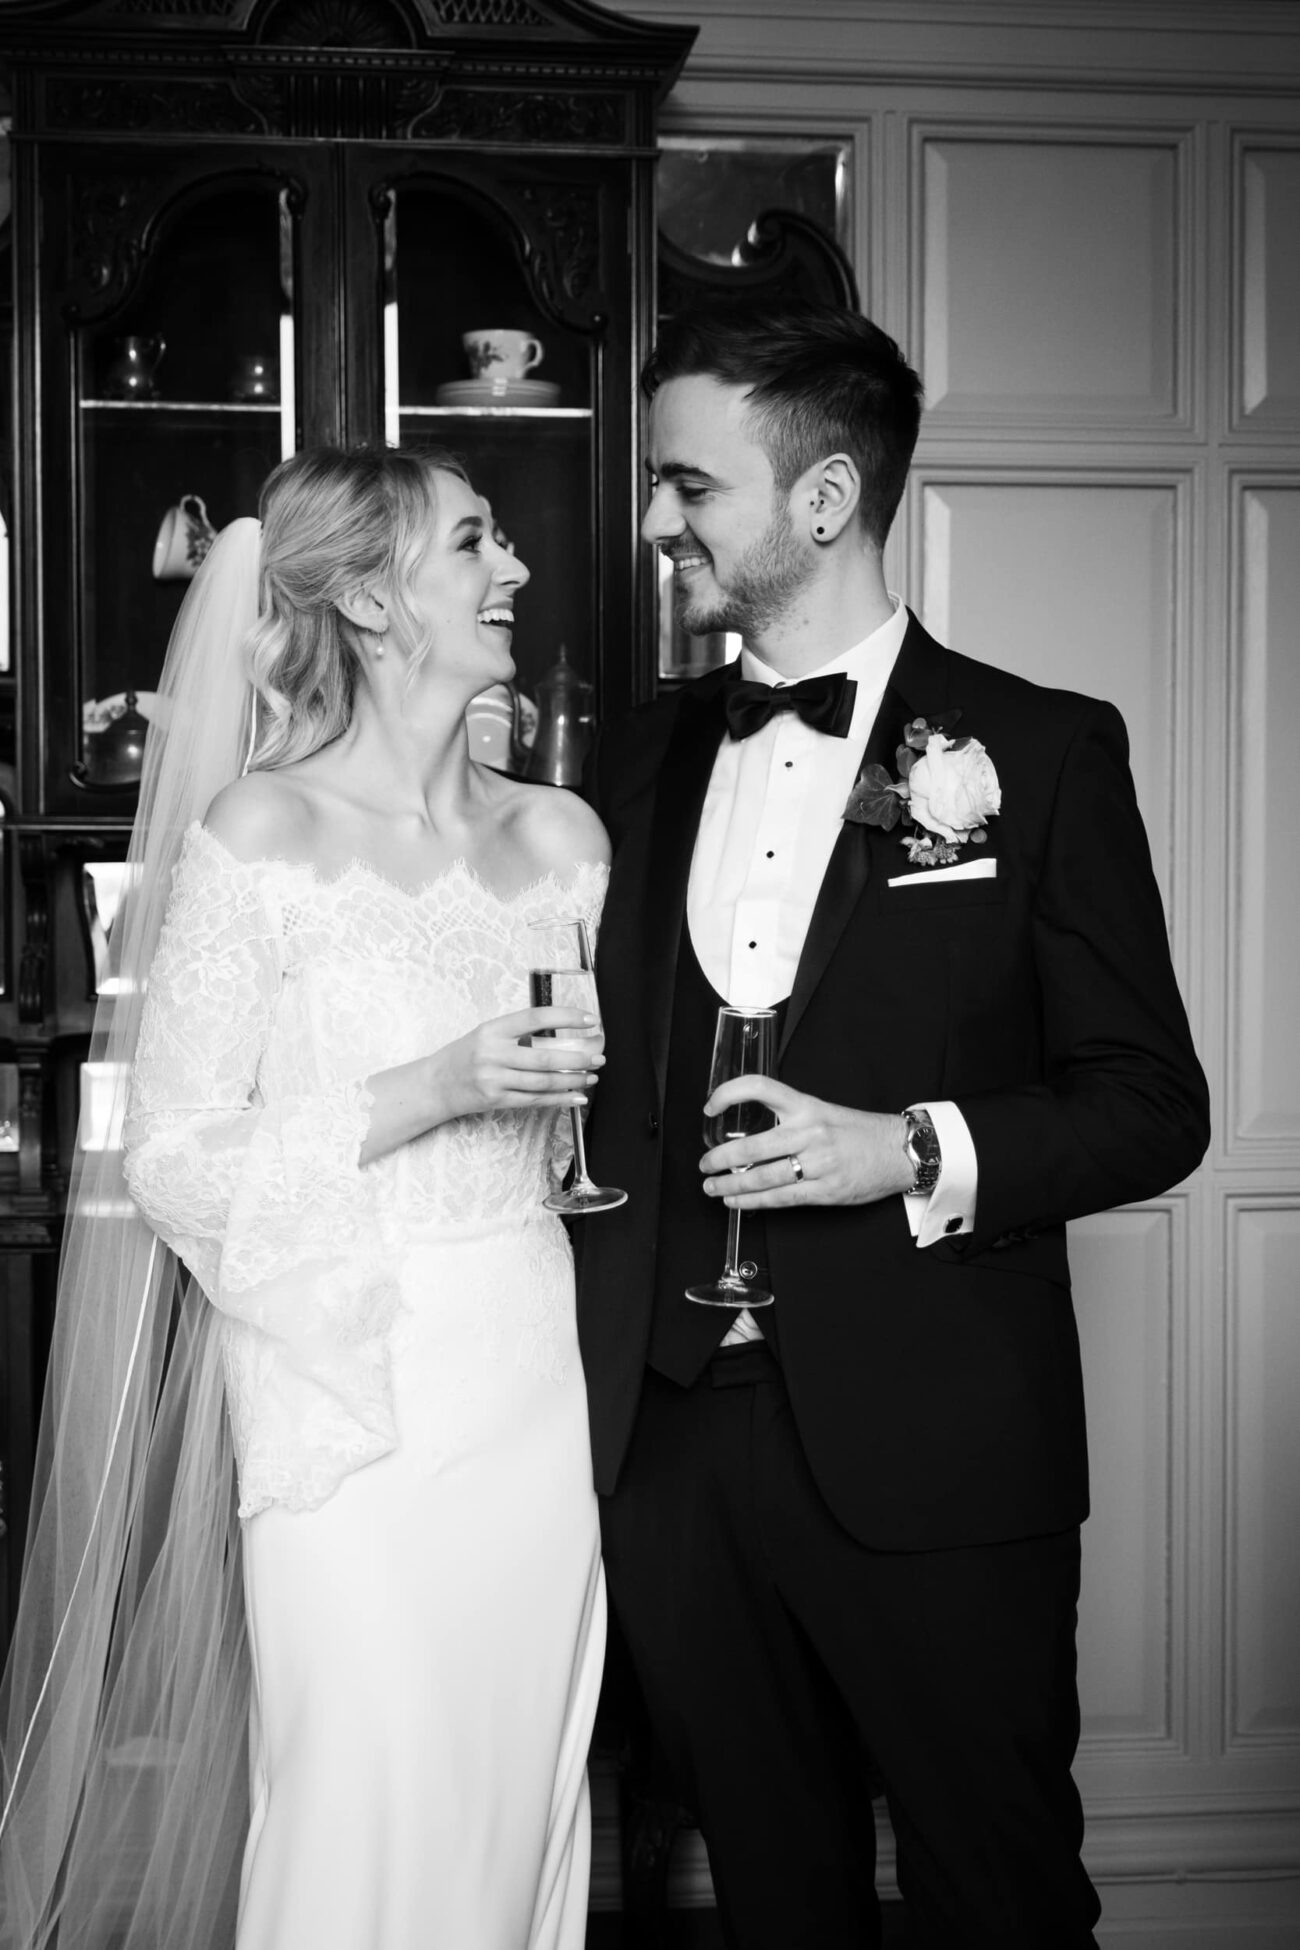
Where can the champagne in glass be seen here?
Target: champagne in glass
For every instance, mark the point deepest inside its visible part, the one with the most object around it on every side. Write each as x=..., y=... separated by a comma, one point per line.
x=744, y=1044
x=563, y=976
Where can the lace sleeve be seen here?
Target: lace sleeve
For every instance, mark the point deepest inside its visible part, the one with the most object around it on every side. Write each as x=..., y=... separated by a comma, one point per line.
x=264, y=1201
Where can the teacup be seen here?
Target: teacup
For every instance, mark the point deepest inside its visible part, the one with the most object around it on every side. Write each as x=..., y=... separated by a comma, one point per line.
x=500, y=354
x=184, y=539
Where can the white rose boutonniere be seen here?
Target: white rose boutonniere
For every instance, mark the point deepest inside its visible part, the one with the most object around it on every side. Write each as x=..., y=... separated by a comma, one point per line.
x=946, y=791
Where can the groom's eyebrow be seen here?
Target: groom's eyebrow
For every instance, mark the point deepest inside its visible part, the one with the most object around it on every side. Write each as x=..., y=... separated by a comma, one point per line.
x=680, y=470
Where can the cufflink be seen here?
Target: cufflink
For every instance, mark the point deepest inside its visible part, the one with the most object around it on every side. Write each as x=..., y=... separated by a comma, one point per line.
x=953, y=1225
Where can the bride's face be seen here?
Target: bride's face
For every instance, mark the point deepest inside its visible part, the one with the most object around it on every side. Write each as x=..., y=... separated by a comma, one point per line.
x=463, y=591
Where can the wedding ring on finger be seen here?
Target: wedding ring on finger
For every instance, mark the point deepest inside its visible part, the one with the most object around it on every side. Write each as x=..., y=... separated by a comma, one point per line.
x=796, y=1168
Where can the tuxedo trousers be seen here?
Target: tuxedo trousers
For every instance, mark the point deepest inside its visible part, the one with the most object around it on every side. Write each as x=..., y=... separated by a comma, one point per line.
x=789, y=1671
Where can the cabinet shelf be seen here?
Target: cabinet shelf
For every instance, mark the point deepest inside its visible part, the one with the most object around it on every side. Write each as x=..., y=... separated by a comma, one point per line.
x=495, y=412
x=219, y=406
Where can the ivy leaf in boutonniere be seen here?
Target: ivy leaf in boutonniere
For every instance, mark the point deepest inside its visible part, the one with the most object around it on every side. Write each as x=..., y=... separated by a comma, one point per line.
x=946, y=790
x=875, y=799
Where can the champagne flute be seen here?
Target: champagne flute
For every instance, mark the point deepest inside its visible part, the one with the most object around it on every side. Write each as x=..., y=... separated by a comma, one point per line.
x=744, y=1045
x=561, y=974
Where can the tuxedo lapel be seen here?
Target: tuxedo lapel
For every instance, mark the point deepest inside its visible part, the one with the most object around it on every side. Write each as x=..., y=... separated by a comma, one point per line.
x=917, y=683
x=679, y=799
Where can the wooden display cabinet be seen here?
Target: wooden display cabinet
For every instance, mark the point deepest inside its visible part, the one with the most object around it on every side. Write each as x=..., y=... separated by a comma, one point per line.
x=241, y=228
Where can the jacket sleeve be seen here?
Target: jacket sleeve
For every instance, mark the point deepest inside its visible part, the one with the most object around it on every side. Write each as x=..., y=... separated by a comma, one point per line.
x=1122, y=1111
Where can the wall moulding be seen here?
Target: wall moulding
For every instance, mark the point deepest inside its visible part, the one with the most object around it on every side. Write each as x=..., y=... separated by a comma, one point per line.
x=1160, y=46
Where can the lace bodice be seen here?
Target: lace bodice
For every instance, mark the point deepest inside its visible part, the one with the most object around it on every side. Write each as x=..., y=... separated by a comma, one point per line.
x=274, y=994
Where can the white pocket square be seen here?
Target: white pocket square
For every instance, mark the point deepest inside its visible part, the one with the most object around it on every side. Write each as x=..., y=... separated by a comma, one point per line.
x=931, y=876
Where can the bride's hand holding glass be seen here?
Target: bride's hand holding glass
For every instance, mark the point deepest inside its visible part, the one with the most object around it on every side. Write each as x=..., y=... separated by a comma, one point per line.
x=533, y=1059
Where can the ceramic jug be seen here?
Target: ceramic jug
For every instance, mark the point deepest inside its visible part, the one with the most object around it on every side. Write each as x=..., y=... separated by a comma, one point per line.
x=131, y=371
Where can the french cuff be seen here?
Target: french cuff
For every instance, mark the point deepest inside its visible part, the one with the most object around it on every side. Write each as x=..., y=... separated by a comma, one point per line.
x=949, y=1209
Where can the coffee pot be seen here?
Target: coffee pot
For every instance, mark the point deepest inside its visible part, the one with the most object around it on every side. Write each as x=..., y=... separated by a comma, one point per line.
x=115, y=755
x=564, y=721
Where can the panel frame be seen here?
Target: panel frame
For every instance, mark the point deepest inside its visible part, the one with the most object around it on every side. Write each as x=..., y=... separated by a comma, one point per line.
x=1001, y=419
x=1168, y=1738
x=1242, y=423
x=1275, y=1749
x=1184, y=483
x=1275, y=1151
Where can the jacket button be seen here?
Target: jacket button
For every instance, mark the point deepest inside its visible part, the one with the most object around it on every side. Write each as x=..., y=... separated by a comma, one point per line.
x=652, y=1123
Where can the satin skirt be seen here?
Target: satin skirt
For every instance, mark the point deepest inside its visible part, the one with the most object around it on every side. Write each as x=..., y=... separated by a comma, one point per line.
x=428, y=1644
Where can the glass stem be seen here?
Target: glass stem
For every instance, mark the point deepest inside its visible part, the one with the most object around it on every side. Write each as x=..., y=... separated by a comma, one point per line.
x=579, y=1147
x=732, y=1269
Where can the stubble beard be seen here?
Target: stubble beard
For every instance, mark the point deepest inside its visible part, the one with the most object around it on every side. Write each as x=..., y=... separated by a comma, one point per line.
x=764, y=583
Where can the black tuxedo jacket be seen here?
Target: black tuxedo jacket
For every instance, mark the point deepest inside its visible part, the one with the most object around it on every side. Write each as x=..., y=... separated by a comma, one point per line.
x=937, y=1391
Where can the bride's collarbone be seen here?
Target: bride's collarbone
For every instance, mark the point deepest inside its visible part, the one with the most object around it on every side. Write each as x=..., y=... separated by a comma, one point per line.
x=502, y=863
x=506, y=838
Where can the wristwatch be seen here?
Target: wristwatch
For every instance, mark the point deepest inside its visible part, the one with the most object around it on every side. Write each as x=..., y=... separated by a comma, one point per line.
x=922, y=1147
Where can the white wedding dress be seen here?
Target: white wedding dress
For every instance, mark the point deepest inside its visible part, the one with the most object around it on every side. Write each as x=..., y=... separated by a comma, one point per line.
x=424, y=1593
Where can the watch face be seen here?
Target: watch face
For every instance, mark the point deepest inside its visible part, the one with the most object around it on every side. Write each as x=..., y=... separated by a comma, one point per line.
x=923, y=1149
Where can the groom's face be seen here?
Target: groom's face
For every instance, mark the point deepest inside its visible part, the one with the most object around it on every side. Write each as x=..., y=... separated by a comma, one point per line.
x=716, y=514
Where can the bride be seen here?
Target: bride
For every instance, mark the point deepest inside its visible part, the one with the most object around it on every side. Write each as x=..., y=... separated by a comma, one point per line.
x=357, y=1711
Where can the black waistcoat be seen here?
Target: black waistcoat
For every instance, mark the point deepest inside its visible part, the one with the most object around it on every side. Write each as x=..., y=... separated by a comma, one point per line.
x=692, y=1226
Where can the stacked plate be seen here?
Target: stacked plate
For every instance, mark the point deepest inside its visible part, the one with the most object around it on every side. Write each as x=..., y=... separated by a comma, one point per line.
x=498, y=392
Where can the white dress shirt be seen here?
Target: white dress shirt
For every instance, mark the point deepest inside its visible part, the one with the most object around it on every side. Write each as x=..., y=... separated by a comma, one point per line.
x=771, y=817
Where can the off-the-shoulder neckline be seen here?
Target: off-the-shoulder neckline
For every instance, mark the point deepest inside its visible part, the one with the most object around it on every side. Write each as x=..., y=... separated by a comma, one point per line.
x=358, y=868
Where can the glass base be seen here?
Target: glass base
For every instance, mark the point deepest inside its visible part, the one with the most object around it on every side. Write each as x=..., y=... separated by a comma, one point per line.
x=590, y=1198
x=729, y=1293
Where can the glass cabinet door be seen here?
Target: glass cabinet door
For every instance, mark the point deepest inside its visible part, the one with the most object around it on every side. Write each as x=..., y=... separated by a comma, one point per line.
x=183, y=401
x=473, y=365
x=186, y=402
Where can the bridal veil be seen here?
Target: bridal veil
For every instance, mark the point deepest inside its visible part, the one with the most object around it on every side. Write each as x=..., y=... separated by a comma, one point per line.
x=124, y=1707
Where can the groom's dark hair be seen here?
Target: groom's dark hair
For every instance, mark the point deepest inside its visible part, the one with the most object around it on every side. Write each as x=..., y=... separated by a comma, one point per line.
x=821, y=380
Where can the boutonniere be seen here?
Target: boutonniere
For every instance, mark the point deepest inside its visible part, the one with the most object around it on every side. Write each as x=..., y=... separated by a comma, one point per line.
x=946, y=790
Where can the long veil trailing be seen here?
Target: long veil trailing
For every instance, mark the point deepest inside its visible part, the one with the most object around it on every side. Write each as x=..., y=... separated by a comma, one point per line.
x=124, y=1707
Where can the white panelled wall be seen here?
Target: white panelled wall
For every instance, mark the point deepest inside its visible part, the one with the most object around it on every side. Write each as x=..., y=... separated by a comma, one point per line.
x=1081, y=219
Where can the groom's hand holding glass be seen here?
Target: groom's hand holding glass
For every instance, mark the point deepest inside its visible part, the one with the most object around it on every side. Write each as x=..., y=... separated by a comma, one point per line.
x=818, y=1154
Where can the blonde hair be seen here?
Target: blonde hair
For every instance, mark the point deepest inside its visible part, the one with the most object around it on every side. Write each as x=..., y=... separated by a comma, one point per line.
x=332, y=520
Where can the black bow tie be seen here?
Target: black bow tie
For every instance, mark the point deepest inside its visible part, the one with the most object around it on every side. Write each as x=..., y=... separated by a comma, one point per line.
x=825, y=703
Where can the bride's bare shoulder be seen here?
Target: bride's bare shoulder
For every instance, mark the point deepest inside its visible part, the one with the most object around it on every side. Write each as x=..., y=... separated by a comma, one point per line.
x=559, y=828
x=263, y=816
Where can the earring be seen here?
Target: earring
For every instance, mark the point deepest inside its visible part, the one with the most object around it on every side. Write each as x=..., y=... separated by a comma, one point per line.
x=819, y=531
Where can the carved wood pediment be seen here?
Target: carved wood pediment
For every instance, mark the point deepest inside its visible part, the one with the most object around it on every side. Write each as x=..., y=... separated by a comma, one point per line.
x=355, y=24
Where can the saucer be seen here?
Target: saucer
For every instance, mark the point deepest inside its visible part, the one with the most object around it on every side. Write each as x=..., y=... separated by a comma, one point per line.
x=498, y=392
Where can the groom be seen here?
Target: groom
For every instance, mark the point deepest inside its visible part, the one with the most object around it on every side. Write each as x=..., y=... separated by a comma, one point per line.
x=842, y=1532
